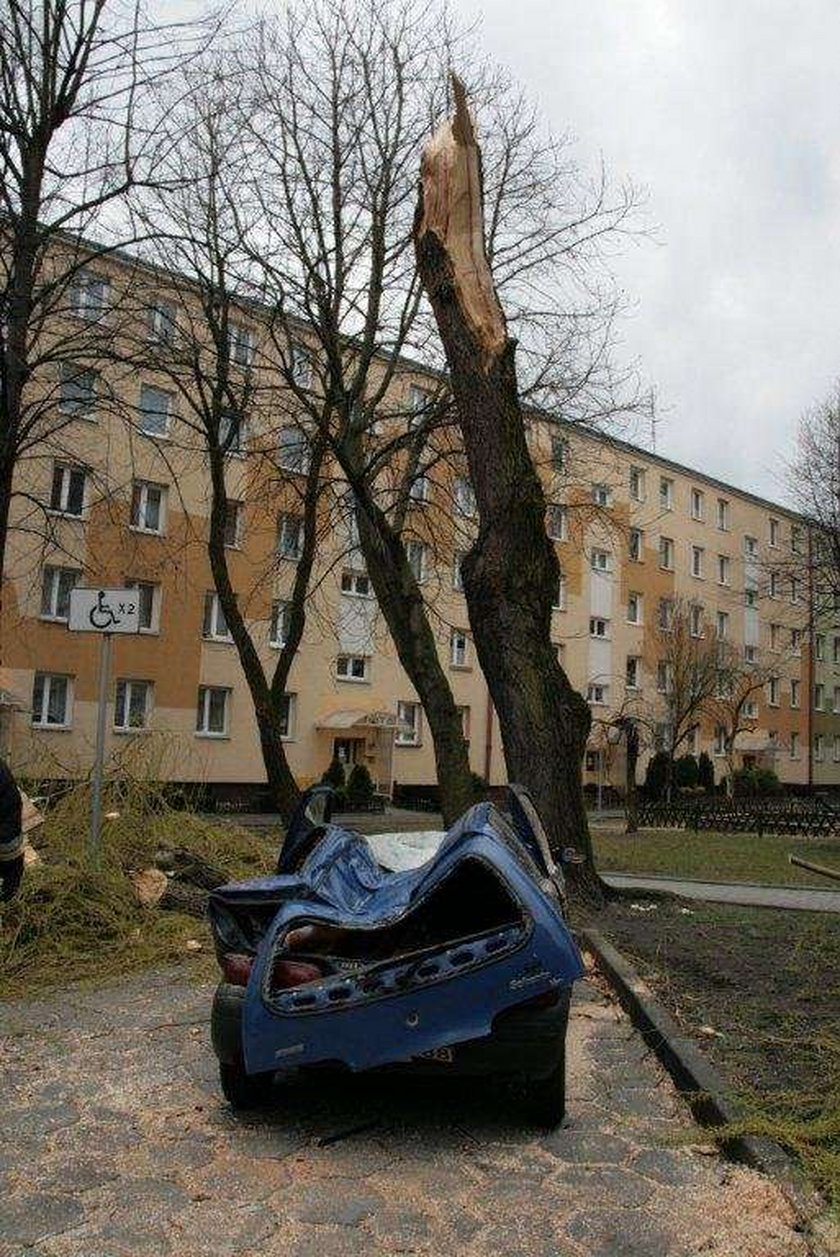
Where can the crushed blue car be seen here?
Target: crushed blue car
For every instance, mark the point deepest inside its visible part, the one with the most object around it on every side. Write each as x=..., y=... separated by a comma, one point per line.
x=464, y=965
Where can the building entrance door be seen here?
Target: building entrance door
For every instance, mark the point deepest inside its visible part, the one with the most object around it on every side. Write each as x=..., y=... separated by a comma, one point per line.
x=347, y=750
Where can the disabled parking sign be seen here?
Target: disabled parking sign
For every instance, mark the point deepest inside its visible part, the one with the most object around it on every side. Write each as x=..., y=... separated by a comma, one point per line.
x=104, y=611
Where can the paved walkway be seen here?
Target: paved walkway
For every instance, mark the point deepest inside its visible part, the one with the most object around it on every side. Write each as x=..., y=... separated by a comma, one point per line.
x=749, y=893
x=115, y=1142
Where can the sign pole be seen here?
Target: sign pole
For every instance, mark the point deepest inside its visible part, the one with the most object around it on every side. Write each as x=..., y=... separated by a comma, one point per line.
x=95, y=841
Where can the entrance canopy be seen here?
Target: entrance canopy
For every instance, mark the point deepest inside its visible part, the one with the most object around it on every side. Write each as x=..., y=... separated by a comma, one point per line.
x=355, y=718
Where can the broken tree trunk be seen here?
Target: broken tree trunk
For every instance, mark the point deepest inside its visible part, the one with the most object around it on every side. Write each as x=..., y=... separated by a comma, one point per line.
x=511, y=573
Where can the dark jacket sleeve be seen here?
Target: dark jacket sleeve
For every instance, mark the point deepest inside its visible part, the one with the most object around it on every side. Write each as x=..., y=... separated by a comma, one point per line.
x=11, y=807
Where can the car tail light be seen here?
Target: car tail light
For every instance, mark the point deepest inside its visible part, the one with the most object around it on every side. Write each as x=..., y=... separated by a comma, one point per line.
x=236, y=968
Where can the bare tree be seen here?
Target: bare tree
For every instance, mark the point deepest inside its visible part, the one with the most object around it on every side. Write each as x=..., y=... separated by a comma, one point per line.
x=732, y=703
x=814, y=483
x=687, y=659
x=79, y=96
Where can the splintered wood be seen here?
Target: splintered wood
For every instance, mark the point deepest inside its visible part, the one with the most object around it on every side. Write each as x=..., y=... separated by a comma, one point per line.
x=450, y=174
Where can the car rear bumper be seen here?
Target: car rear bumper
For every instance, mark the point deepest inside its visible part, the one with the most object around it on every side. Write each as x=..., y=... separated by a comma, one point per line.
x=525, y=1041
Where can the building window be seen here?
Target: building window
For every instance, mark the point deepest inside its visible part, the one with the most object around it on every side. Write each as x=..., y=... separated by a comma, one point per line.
x=288, y=712
x=750, y=709
x=233, y=519
x=773, y=691
x=794, y=745
x=301, y=365
x=161, y=327
x=750, y=547
x=89, y=295
x=697, y=561
x=463, y=497
x=67, y=495
x=723, y=569
x=634, y=608
x=723, y=514
x=410, y=717
x=794, y=692
x=214, y=627
x=420, y=489
x=819, y=647
x=601, y=494
x=148, y=604
x=56, y=585
x=666, y=554
x=415, y=552
x=241, y=345
x=52, y=698
x=722, y=625
x=751, y=597
x=155, y=410
x=794, y=590
x=637, y=484
x=666, y=494
x=459, y=649
x=776, y=636
x=352, y=668
x=213, y=711
x=835, y=754
x=720, y=740
x=147, y=506
x=795, y=539
x=279, y=628
x=819, y=696
x=356, y=583
x=598, y=626
x=559, y=453
x=293, y=452
x=419, y=402
x=597, y=694
x=464, y=713
x=663, y=676
x=635, y=545
x=600, y=561
x=232, y=432
x=774, y=533
x=457, y=574
x=773, y=586
x=749, y=654
x=665, y=615
x=696, y=504
x=633, y=672
x=290, y=537
x=559, y=602
x=835, y=649
x=77, y=389
x=695, y=619
x=556, y=521
x=819, y=747
x=132, y=704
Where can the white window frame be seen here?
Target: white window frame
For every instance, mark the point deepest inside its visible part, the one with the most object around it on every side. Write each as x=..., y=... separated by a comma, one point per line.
x=774, y=529
x=82, y=286
x=637, y=484
x=819, y=748
x=601, y=494
x=82, y=392
x=295, y=455
x=599, y=627
x=724, y=568
x=47, y=678
x=242, y=344
x=154, y=598
x=301, y=365
x=420, y=489
x=773, y=692
x=666, y=493
x=723, y=514
x=599, y=560
x=161, y=324
x=794, y=692
x=697, y=556
x=794, y=744
x=697, y=505
x=635, y=601
x=62, y=482
x=459, y=648
x=280, y=608
x=417, y=554
x=144, y=412
x=346, y=664
x=560, y=454
x=202, y=722
x=409, y=708
x=635, y=545
x=463, y=497
x=695, y=620
x=556, y=521
x=230, y=423
x=598, y=693
x=666, y=554
x=559, y=600
x=457, y=574
x=285, y=521
x=288, y=717
x=750, y=546
x=356, y=584
x=722, y=623
x=819, y=696
x=140, y=496
x=233, y=510
x=128, y=685
x=61, y=580
x=214, y=627
x=633, y=664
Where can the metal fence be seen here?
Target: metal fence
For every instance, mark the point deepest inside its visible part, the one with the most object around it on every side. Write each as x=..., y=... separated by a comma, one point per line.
x=789, y=814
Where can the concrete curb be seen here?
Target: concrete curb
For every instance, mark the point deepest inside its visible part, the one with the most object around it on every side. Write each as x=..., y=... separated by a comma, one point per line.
x=705, y=1090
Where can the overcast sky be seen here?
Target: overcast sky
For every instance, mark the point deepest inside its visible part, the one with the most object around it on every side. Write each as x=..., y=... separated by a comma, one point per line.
x=729, y=114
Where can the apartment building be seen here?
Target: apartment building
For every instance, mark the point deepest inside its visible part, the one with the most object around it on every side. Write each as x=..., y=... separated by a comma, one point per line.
x=123, y=487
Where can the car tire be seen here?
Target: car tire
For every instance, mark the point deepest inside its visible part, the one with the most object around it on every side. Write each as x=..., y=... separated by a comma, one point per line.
x=545, y=1098
x=245, y=1091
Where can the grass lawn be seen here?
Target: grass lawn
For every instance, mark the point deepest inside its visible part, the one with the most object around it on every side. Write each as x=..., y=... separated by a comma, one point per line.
x=710, y=856
x=759, y=989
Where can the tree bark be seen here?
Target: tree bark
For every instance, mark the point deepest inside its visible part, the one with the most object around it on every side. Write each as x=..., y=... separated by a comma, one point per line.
x=631, y=744
x=511, y=572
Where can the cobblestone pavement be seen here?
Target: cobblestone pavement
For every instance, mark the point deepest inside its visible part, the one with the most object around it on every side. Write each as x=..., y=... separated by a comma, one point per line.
x=115, y=1140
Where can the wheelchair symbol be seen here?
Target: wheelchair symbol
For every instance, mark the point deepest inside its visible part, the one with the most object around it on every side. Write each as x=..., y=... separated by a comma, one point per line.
x=101, y=616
